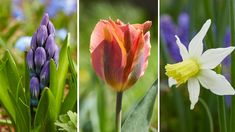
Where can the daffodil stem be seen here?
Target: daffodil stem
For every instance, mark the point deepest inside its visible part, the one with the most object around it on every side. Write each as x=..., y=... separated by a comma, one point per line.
x=208, y=114
x=222, y=114
x=118, y=111
x=232, y=28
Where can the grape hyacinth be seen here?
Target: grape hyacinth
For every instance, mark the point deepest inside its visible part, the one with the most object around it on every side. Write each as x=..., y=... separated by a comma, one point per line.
x=42, y=49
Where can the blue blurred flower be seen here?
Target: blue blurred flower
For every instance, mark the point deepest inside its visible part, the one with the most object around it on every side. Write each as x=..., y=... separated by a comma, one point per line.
x=61, y=33
x=17, y=11
x=67, y=6
x=23, y=43
x=168, y=30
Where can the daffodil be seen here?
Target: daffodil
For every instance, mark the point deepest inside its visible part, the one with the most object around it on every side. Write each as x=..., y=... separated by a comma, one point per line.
x=196, y=68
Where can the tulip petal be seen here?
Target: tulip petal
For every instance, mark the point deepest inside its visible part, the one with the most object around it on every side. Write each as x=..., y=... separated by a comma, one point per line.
x=142, y=64
x=183, y=51
x=215, y=82
x=194, y=90
x=196, y=45
x=171, y=82
x=144, y=27
x=213, y=57
x=97, y=35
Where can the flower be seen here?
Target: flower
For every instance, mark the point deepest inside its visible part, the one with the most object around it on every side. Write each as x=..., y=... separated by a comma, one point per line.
x=167, y=31
x=23, y=43
x=42, y=49
x=196, y=67
x=119, y=52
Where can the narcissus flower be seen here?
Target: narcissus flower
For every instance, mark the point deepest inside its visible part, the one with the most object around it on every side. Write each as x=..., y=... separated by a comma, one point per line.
x=119, y=52
x=42, y=49
x=196, y=67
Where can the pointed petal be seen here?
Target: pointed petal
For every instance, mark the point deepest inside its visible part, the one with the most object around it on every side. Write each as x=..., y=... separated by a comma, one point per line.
x=194, y=90
x=171, y=82
x=213, y=57
x=183, y=51
x=196, y=45
x=215, y=82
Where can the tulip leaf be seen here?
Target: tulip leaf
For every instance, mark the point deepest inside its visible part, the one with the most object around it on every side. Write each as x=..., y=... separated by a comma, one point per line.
x=61, y=74
x=45, y=115
x=139, y=118
x=71, y=98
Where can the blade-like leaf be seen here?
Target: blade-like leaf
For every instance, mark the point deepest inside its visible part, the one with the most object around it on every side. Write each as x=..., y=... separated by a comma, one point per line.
x=71, y=98
x=61, y=74
x=45, y=115
x=53, y=77
x=139, y=118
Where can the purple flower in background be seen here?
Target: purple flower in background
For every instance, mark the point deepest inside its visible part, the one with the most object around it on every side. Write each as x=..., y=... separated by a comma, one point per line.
x=42, y=49
x=168, y=30
x=17, y=11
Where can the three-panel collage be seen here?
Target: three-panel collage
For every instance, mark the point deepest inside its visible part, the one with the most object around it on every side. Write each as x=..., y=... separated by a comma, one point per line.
x=117, y=66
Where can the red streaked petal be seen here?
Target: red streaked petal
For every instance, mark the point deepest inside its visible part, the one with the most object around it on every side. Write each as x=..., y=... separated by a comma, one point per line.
x=142, y=64
x=144, y=27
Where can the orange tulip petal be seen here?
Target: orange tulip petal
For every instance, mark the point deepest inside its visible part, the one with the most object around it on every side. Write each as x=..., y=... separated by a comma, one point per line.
x=144, y=27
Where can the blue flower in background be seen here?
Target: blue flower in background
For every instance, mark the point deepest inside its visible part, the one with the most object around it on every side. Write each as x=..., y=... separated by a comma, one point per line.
x=67, y=6
x=168, y=30
x=17, y=11
x=61, y=33
x=52, y=7
x=23, y=43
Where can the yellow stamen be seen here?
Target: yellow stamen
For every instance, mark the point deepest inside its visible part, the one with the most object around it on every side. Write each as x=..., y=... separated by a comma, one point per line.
x=182, y=71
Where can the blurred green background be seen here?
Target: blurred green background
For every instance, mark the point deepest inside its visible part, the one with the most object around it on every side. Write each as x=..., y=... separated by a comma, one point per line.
x=96, y=100
x=19, y=19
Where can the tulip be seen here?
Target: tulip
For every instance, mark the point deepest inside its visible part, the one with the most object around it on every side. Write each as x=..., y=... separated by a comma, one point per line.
x=119, y=52
x=42, y=49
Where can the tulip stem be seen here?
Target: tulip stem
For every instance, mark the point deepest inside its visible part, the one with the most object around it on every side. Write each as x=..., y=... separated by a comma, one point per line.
x=118, y=111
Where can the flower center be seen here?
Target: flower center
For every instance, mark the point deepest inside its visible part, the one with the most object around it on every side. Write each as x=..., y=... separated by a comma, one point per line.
x=182, y=71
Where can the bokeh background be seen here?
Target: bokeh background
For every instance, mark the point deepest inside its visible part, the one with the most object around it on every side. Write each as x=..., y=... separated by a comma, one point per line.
x=96, y=100
x=19, y=20
x=185, y=18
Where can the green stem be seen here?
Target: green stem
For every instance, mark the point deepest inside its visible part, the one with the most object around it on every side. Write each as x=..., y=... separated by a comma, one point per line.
x=232, y=118
x=5, y=122
x=222, y=114
x=118, y=111
x=208, y=114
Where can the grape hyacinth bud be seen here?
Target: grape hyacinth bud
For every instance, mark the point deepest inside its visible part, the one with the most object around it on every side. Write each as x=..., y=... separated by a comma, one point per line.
x=42, y=49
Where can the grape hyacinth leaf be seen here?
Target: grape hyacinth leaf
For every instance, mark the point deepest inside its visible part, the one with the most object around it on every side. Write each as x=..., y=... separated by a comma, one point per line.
x=139, y=118
x=45, y=115
x=71, y=98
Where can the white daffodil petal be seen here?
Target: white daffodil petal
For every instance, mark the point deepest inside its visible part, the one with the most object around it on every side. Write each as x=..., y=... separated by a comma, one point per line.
x=196, y=45
x=183, y=51
x=194, y=90
x=171, y=82
x=215, y=82
x=213, y=57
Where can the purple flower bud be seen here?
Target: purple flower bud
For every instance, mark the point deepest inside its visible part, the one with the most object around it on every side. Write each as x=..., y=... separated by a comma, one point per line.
x=51, y=28
x=45, y=75
x=50, y=46
x=29, y=60
x=45, y=19
x=39, y=58
x=41, y=35
x=34, y=87
x=56, y=55
x=33, y=43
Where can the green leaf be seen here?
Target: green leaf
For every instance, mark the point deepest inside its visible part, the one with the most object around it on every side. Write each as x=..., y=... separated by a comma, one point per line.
x=139, y=119
x=4, y=96
x=61, y=74
x=71, y=98
x=67, y=122
x=45, y=115
x=53, y=77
